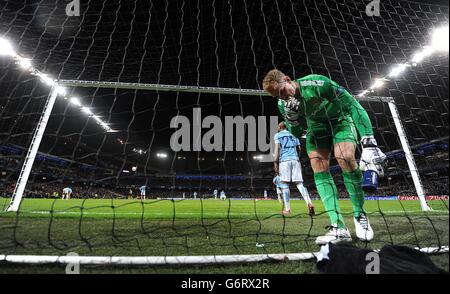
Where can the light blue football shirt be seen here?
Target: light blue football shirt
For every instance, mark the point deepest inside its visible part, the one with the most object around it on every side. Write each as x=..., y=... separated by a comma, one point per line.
x=288, y=144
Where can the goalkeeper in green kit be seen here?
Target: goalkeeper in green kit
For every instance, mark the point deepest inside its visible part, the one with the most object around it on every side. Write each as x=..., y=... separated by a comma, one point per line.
x=333, y=118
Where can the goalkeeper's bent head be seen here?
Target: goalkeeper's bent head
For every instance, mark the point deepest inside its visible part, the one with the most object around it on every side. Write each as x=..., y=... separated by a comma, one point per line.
x=279, y=85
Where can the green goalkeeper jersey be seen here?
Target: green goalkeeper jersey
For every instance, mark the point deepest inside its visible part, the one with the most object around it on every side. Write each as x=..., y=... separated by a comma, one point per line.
x=323, y=101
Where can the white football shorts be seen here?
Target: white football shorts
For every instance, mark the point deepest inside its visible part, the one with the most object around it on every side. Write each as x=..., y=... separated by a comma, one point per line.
x=291, y=171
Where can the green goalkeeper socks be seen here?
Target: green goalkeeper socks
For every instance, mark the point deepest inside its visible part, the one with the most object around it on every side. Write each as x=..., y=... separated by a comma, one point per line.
x=329, y=195
x=353, y=181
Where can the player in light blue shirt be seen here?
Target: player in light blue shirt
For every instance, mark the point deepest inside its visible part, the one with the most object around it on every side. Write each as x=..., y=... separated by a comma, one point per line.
x=222, y=195
x=142, y=189
x=287, y=167
x=288, y=144
x=67, y=192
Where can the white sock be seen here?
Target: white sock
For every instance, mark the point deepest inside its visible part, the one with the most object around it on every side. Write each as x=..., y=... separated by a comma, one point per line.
x=302, y=189
x=279, y=198
x=287, y=205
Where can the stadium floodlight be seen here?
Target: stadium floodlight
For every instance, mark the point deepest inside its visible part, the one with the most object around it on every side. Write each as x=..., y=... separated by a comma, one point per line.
x=24, y=63
x=106, y=128
x=86, y=110
x=439, y=39
x=378, y=83
x=258, y=157
x=161, y=155
x=6, y=48
x=75, y=101
x=139, y=151
x=397, y=70
x=61, y=90
x=419, y=56
x=47, y=80
x=363, y=93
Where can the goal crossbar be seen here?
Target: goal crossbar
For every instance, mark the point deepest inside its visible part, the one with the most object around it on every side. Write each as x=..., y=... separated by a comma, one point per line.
x=183, y=88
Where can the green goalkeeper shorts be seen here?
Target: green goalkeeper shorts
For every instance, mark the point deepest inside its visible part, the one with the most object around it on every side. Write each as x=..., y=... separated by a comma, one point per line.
x=325, y=135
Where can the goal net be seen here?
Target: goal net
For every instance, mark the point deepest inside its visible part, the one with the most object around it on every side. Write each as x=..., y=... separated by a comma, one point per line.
x=150, y=110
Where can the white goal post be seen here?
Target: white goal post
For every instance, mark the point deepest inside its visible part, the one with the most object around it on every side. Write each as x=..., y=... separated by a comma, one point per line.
x=35, y=142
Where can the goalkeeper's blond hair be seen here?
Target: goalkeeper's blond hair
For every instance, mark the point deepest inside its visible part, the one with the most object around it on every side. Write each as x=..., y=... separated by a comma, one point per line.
x=272, y=79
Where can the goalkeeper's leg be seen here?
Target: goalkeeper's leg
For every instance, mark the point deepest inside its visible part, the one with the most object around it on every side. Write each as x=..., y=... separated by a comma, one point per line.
x=345, y=155
x=326, y=186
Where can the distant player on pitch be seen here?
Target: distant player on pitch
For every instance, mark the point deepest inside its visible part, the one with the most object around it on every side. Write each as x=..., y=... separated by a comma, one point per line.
x=215, y=193
x=142, y=189
x=222, y=195
x=66, y=193
x=287, y=167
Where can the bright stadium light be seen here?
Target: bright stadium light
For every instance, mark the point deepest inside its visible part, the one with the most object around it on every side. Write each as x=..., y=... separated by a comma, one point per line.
x=6, y=48
x=397, y=70
x=106, y=128
x=363, y=93
x=419, y=56
x=378, y=83
x=47, y=80
x=139, y=151
x=439, y=39
x=75, y=101
x=24, y=63
x=161, y=155
x=86, y=110
x=258, y=157
x=61, y=90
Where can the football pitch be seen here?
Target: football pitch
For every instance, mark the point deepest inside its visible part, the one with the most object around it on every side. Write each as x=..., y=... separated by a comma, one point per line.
x=120, y=227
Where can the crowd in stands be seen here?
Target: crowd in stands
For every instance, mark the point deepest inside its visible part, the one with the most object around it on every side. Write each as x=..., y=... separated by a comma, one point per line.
x=233, y=189
x=51, y=174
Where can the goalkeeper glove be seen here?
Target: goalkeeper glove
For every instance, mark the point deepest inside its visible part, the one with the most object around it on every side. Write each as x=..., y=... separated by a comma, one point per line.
x=291, y=111
x=371, y=163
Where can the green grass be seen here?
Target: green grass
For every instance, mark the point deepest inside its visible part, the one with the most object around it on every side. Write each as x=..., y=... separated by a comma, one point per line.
x=207, y=227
